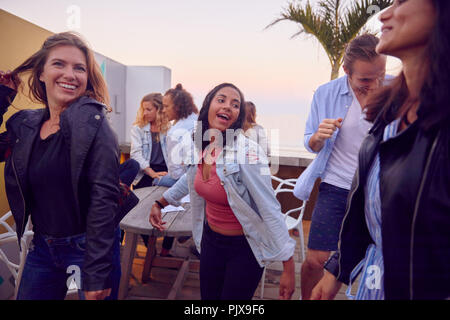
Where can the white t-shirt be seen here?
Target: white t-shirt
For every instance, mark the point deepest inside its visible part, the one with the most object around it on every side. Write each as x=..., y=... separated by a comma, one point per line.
x=343, y=160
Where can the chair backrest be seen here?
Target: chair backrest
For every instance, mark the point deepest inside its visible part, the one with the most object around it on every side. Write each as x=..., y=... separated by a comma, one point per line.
x=11, y=236
x=287, y=186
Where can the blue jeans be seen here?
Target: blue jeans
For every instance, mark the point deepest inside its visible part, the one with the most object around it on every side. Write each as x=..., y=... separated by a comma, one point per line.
x=165, y=181
x=128, y=171
x=228, y=267
x=51, y=261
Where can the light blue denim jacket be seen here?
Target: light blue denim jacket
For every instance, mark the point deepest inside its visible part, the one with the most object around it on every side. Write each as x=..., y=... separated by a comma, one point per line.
x=178, y=136
x=245, y=175
x=331, y=101
x=141, y=147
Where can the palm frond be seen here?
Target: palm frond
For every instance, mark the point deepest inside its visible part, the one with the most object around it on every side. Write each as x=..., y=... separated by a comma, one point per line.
x=329, y=24
x=358, y=15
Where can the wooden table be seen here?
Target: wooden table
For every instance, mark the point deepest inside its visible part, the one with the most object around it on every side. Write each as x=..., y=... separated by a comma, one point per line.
x=135, y=223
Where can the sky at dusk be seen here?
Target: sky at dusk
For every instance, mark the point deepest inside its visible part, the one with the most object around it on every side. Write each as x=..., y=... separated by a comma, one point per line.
x=204, y=43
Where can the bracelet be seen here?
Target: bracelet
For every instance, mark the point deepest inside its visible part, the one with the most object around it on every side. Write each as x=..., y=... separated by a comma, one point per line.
x=159, y=204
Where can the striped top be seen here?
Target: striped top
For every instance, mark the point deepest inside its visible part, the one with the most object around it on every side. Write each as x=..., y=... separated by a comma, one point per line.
x=371, y=285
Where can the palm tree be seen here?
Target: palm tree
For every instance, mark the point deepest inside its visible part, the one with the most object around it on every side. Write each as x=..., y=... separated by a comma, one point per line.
x=332, y=27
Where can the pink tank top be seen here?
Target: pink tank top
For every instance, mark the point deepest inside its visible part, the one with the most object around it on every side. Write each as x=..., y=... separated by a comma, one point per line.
x=218, y=211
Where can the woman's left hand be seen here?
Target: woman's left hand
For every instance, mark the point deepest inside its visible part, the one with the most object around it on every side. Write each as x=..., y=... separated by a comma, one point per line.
x=287, y=280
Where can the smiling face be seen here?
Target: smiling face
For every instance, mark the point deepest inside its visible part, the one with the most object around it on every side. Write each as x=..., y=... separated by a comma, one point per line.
x=64, y=75
x=407, y=26
x=224, y=109
x=149, y=111
x=366, y=76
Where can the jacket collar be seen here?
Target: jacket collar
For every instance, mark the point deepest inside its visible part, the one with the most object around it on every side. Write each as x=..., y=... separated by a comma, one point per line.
x=35, y=119
x=344, y=87
x=147, y=127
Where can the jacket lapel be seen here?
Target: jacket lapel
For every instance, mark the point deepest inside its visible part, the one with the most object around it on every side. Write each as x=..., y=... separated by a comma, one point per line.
x=26, y=135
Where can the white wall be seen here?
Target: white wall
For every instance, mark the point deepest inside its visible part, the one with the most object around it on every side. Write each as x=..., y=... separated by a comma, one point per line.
x=141, y=81
x=126, y=86
x=115, y=76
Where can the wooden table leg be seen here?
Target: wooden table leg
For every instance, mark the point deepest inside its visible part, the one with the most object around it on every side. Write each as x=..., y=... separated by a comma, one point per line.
x=178, y=284
x=127, y=263
x=149, y=256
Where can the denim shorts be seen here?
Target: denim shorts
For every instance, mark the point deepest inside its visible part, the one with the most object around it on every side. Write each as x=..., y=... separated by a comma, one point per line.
x=327, y=218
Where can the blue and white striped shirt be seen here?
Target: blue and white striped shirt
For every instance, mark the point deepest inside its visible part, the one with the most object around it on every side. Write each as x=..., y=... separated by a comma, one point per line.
x=371, y=285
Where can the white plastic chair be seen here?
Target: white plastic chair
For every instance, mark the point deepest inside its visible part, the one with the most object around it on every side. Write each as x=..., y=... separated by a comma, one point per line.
x=292, y=223
x=11, y=236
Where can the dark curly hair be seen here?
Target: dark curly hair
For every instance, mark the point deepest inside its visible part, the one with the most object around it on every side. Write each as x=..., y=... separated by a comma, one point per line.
x=182, y=101
x=434, y=111
x=203, y=124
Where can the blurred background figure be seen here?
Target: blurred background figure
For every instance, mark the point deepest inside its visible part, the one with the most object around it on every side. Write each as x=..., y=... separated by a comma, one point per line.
x=253, y=130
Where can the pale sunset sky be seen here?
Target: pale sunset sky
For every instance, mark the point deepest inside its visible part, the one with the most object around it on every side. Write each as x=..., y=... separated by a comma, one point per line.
x=204, y=43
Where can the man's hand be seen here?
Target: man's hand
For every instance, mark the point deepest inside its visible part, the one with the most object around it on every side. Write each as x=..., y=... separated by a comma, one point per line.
x=326, y=130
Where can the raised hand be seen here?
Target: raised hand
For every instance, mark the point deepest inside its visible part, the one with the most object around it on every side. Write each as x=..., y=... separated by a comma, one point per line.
x=7, y=79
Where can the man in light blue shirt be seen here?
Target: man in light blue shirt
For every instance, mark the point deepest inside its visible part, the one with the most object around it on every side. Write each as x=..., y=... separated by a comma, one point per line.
x=335, y=129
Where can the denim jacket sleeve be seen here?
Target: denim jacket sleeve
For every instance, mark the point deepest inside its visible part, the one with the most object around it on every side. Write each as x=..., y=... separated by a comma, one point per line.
x=312, y=123
x=174, y=166
x=256, y=177
x=177, y=191
x=136, y=151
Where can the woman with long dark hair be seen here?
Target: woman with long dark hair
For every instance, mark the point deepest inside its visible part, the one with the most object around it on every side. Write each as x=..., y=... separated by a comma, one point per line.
x=396, y=227
x=237, y=223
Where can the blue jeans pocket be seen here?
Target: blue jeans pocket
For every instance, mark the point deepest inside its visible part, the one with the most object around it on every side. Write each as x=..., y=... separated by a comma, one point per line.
x=80, y=244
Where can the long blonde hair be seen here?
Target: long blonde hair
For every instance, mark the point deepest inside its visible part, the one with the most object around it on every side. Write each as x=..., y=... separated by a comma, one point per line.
x=161, y=122
x=96, y=85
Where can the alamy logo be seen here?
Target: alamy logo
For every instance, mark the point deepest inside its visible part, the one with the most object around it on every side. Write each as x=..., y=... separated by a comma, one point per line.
x=75, y=276
x=74, y=18
x=373, y=280
x=373, y=9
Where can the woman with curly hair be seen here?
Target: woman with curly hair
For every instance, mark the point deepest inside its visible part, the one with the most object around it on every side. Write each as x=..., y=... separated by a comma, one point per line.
x=180, y=108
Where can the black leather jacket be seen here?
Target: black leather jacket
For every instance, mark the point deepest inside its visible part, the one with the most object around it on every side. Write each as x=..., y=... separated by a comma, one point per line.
x=415, y=205
x=94, y=155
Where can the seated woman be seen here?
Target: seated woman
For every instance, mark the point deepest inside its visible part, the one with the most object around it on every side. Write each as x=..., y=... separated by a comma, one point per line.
x=147, y=165
x=180, y=108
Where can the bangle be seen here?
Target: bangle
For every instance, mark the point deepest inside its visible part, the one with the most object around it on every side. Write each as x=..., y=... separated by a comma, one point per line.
x=159, y=204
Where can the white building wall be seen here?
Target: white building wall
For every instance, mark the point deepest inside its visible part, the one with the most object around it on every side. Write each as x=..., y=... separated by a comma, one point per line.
x=115, y=76
x=127, y=85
